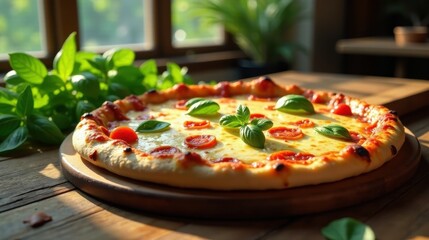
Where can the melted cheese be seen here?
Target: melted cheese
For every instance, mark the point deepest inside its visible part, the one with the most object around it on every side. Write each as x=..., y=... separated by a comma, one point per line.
x=229, y=143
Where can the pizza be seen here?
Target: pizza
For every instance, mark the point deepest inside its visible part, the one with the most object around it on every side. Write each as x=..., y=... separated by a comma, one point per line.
x=244, y=135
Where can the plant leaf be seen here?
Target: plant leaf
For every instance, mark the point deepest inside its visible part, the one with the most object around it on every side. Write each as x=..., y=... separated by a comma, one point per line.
x=205, y=107
x=149, y=67
x=82, y=107
x=347, y=229
x=65, y=58
x=334, y=130
x=28, y=67
x=192, y=101
x=43, y=130
x=12, y=78
x=150, y=126
x=119, y=57
x=14, y=140
x=25, y=103
x=294, y=104
x=243, y=113
x=262, y=123
x=8, y=124
x=51, y=83
x=87, y=84
x=252, y=136
x=230, y=121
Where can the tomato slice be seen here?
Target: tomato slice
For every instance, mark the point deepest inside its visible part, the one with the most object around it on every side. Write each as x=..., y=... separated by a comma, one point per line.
x=317, y=98
x=286, y=133
x=304, y=123
x=201, y=141
x=290, y=156
x=124, y=133
x=165, y=152
x=257, y=115
x=196, y=125
x=342, y=109
x=270, y=107
x=181, y=104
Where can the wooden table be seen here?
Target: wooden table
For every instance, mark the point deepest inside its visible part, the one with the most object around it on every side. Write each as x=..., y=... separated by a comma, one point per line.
x=383, y=46
x=33, y=183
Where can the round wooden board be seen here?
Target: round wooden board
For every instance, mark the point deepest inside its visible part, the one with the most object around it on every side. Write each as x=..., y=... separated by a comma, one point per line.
x=180, y=202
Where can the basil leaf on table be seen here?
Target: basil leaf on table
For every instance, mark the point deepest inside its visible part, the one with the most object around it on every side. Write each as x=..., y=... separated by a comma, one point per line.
x=204, y=107
x=192, y=101
x=230, y=121
x=335, y=131
x=263, y=124
x=294, y=104
x=347, y=229
x=252, y=135
x=14, y=140
x=150, y=126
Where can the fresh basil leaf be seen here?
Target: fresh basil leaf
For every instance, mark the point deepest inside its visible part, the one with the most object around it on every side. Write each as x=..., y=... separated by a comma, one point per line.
x=149, y=67
x=347, y=229
x=335, y=131
x=294, y=104
x=118, y=57
x=175, y=72
x=150, y=126
x=262, y=123
x=252, y=136
x=28, y=67
x=230, y=121
x=51, y=83
x=8, y=124
x=63, y=121
x=65, y=58
x=206, y=107
x=14, y=140
x=12, y=78
x=118, y=89
x=243, y=113
x=86, y=83
x=99, y=63
x=43, y=130
x=6, y=108
x=191, y=101
x=83, y=107
x=25, y=103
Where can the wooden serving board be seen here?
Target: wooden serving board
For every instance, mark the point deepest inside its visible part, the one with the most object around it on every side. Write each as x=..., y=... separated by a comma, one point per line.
x=179, y=202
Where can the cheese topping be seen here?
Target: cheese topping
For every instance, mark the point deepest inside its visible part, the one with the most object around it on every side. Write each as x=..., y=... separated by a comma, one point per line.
x=229, y=143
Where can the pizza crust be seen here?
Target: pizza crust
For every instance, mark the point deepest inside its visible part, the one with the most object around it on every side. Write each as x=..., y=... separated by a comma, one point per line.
x=184, y=170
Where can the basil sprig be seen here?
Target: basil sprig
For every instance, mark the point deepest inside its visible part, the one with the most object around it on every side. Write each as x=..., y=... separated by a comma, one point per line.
x=294, y=104
x=150, y=126
x=251, y=133
x=334, y=130
x=348, y=229
x=200, y=106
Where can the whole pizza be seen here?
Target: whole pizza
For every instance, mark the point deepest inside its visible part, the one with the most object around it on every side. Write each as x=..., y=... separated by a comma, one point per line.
x=245, y=135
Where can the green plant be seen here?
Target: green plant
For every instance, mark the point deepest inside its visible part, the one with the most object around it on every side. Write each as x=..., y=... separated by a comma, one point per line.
x=40, y=105
x=258, y=26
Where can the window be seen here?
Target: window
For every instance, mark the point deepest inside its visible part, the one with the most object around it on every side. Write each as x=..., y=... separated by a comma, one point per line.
x=163, y=29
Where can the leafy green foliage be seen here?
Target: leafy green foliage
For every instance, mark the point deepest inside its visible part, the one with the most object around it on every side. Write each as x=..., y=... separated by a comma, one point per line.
x=294, y=104
x=39, y=105
x=334, y=131
x=251, y=133
x=348, y=229
x=202, y=107
x=150, y=126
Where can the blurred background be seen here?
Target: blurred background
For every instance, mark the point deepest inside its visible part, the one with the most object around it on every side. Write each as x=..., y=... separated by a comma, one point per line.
x=279, y=35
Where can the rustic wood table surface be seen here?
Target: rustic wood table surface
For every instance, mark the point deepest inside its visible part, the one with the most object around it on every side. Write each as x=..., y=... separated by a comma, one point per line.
x=33, y=182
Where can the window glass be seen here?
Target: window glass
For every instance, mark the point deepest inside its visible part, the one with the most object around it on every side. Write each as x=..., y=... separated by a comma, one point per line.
x=189, y=30
x=21, y=27
x=107, y=23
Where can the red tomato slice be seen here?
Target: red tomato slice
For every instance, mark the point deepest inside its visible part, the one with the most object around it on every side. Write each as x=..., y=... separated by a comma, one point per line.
x=165, y=152
x=124, y=133
x=286, y=133
x=201, y=141
x=290, y=155
x=257, y=115
x=317, y=98
x=181, y=105
x=196, y=125
x=304, y=123
x=342, y=109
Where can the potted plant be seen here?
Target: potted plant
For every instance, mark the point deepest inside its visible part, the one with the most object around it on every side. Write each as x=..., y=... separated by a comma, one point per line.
x=259, y=28
x=414, y=11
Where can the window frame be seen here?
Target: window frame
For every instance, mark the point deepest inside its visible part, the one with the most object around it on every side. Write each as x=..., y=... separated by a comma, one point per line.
x=61, y=19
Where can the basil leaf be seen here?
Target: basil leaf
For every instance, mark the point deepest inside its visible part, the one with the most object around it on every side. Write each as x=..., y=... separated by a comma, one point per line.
x=43, y=130
x=12, y=78
x=28, y=67
x=294, y=104
x=51, y=83
x=347, y=229
x=335, y=131
x=230, y=121
x=191, y=101
x=252, y=135
x=25, y=103
x=64, y=60
x=263, y=124
x=205, y=107
x=149, y=67
x=243, y=113
x=86, y=83
x=14, y=140
x=83, y=107
x=119, y=57
x=8, y=124
x=150, y=126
